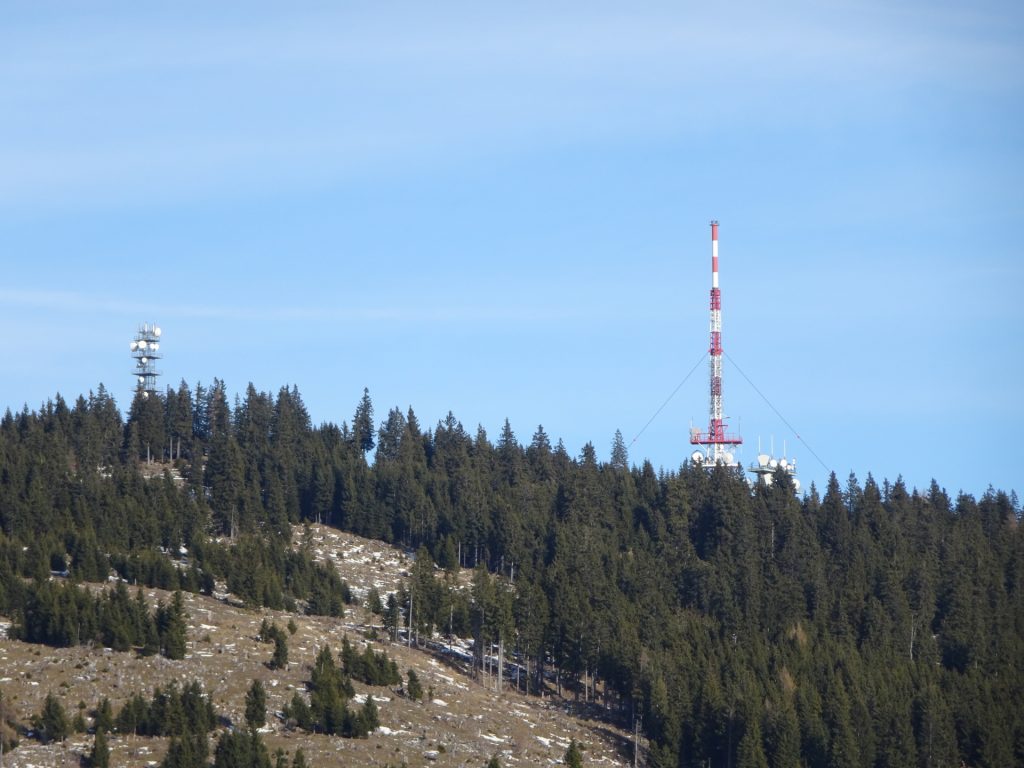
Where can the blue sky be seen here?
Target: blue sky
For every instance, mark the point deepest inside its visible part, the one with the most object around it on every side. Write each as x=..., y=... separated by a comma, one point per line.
x=503, y=212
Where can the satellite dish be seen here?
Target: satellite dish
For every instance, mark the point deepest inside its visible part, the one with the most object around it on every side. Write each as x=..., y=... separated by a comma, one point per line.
x=142, y=344
x=156, y=330
x=144, y=360
x=762, y=459
x=728, y=457
x=796, y=485
x=783, y=463
x=773, y=463
x=145, y=395
x=132, y=346
x=697, y=457
x=155, y=346
x=141, y=380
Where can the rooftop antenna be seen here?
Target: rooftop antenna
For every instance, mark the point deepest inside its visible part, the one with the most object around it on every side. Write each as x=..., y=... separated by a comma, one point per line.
x=145, y=350
x=717, y=442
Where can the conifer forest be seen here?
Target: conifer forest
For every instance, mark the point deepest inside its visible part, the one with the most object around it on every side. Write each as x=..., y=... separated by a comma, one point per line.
x=860, y=625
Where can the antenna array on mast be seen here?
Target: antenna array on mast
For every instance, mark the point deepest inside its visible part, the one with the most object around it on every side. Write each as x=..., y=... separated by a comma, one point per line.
x=145, y=350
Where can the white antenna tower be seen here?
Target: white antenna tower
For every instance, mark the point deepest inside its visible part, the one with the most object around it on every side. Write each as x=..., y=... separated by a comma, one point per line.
x=145, y=350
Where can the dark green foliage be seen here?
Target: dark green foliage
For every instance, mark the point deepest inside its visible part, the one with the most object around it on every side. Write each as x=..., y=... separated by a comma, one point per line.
x=256, y=705
x=266, y=572
x=188, y=751
x=392, y=617
x=171, y=628
x=63, y=615
x=241, y=749
x=149, y=567
x=52, y=722
x=99, y=755
x=871, y=624
x=280, y=658
x=331, y=690
x=299, y=761
x=299, y=713
x=170, y=712
x=271, y=633
x=373, y=602
x=370, y=667
x=493, y=762
x=103, y=717
x=414, y=689
x=369, y=717
x=574, y=755
x=362, y=424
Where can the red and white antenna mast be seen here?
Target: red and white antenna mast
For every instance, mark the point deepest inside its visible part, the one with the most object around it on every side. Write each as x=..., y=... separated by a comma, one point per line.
x=716, y=440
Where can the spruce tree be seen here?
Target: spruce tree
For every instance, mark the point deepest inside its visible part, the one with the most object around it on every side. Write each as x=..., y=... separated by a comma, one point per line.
x=280, y=658
x=104, y=716
x=751, y=749
x=241, y=750
x=99, y=757
x=414, y=688
x=174, y=631
x=362, y=423
x=620, y=455
x=52, y=722
x=392, y=616
x=369, y=715
x=574, y=755
x=256, y=705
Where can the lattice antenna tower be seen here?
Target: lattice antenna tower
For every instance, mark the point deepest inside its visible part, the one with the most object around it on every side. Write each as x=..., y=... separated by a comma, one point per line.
x=145, y=350
x=717, y=442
